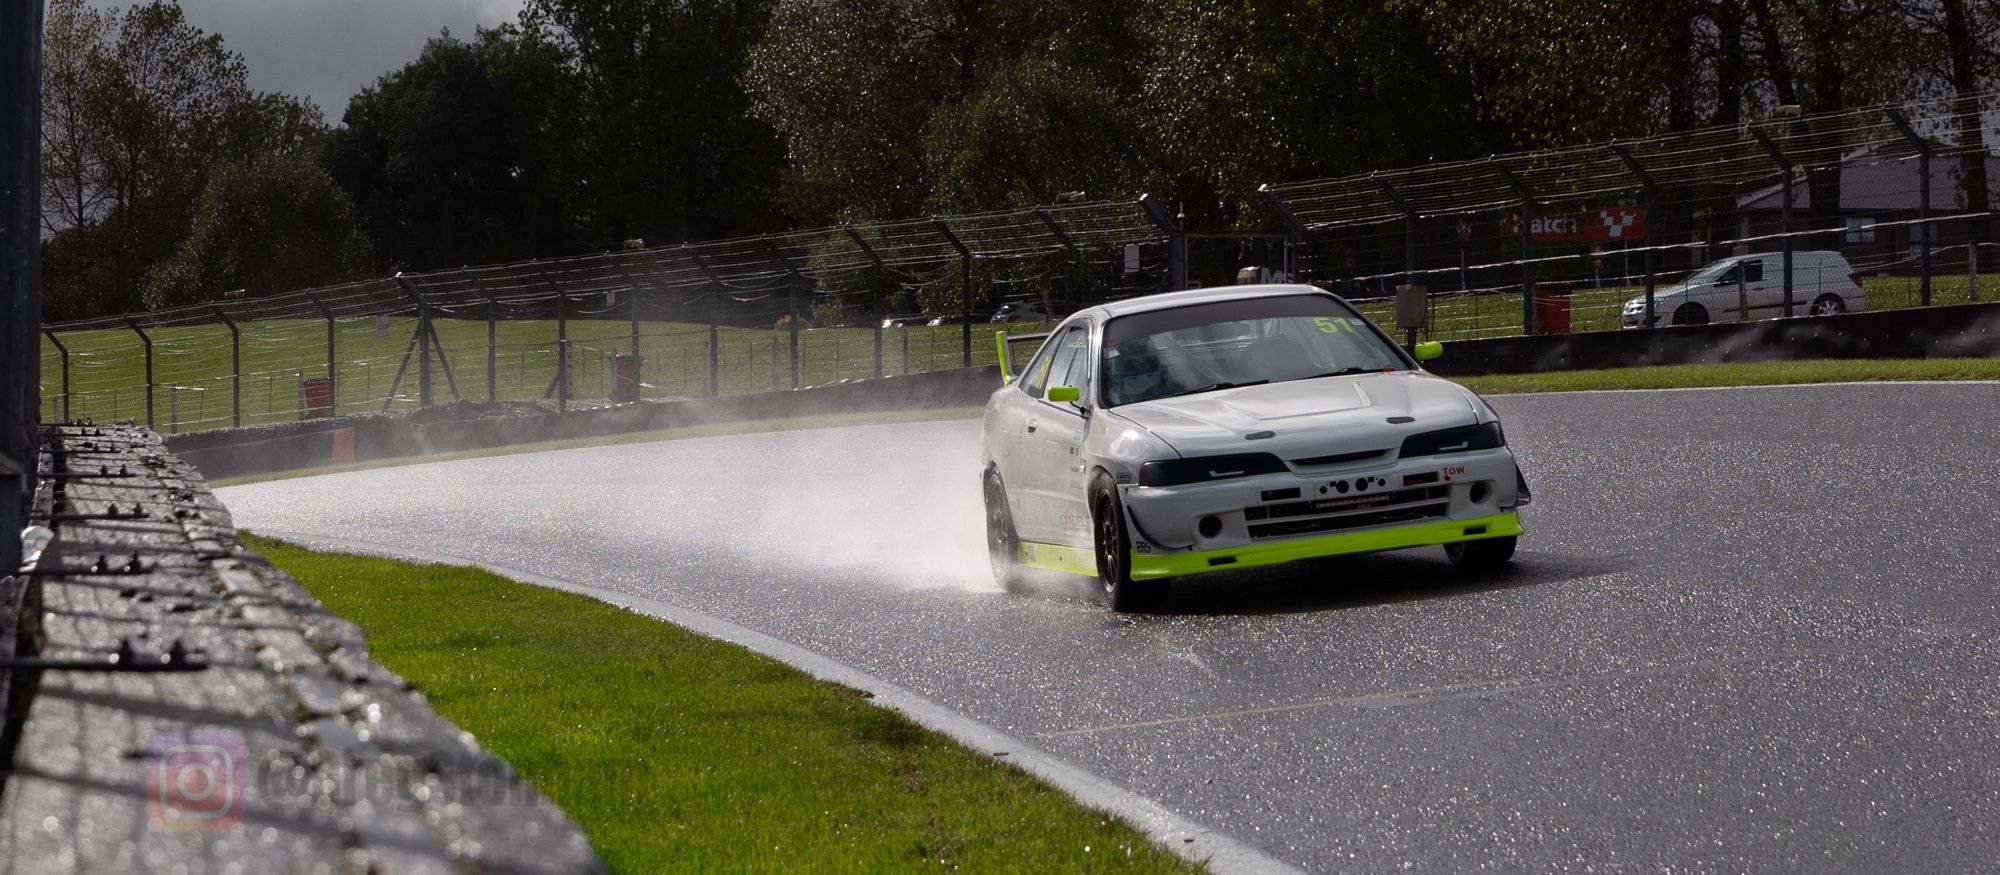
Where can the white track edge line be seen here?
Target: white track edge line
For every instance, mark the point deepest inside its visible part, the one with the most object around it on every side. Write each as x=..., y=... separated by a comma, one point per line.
x=1218, y=850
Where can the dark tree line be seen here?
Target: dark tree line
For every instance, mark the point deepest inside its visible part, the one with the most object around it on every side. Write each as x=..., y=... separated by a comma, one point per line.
x=589, y=122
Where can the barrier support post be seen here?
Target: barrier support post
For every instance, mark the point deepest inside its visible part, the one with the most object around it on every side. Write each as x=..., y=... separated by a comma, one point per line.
x=235, y=366
x=1295, y=231
x=1649, y=190
x=965, y=289
x=1785, y=169
x=1071, y=300
x=1902, y=124
x=148, y=341
x=874, y=292
x=1527, y=241
x=64, y=350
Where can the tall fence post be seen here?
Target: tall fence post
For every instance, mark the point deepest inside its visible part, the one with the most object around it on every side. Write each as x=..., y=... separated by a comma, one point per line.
x=1527, y=243
x=1785, y=206
x=492, y=336
x=148, y=341
x=1070, y=299
x=1409, y=244
x=874, y=291
x=562, y=352
x=792, y=280
x=965, y=289
x=423, y=340
x=1177, y=268
x=1649, y=192
x=235, y=366
x=332, y=386
x=714, y=325
x=1295, y=231
x=64, y=350
x=1902, y=124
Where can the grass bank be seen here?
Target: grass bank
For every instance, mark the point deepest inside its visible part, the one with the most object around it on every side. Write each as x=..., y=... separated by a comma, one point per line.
x=676, y=752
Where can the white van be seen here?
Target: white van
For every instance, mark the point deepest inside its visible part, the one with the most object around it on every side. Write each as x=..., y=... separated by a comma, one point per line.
x=1753, y=287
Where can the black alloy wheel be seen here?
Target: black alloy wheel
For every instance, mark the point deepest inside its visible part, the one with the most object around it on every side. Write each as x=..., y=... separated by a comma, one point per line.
x=1003, y=545
x=1114, y=551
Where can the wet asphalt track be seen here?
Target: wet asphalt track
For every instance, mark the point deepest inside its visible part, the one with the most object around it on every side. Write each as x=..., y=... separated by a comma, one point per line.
x=1749, y=630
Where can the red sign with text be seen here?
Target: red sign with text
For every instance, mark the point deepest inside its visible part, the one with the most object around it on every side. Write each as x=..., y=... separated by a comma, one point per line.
x=1610, y=224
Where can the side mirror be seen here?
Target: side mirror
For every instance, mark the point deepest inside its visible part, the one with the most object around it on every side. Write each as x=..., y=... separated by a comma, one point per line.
x=1428, y=350
x=1063, y=394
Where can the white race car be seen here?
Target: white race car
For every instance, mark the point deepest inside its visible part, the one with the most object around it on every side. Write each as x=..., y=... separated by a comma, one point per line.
x=1230, y=428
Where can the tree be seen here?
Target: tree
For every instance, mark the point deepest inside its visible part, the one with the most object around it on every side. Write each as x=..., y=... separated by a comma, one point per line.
x=159, y=99
x=670, y=149
x=466, y=155
x=1970, y=34
x=1238, y=94
x=1028, y=134
x=143, y=106
x=889, y=108
x=1570, y=71
x=267, y=224
x=75, y=38
x=843, y=86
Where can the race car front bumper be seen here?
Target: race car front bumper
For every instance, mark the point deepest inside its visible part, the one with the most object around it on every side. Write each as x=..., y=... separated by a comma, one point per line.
x=1300, y=514
x=1152, y=566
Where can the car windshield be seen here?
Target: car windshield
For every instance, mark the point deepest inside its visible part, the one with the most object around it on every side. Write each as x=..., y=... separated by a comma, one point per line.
x=1711, y=272
x=1206, y=347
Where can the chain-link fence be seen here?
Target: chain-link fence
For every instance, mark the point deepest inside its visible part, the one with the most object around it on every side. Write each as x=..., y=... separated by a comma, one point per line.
x=729, y=317
x=1866, y=209
x=1872, y=208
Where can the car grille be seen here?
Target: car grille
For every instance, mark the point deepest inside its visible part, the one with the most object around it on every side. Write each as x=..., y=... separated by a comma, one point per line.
x=1340, y=458
x=1347, y=512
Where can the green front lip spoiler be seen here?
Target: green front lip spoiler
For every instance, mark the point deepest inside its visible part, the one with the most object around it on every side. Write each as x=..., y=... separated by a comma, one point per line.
x=1153, y=566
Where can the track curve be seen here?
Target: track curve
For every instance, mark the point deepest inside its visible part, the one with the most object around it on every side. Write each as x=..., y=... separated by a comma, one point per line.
x=1749, y=628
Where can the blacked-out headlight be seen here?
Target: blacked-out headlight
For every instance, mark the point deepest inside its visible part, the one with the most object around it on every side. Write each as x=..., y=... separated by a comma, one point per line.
x=1455, y=440
x=1175, y=472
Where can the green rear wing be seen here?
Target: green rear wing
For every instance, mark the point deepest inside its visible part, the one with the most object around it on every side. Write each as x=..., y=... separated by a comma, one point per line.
x=1003, y=342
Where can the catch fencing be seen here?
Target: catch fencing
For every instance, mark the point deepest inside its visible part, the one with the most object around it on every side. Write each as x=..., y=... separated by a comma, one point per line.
x=728, y=317
x=1900, y=191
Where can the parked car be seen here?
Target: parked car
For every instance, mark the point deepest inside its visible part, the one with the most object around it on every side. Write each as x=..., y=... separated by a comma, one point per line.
x=1753, y=286
x=1235, y=427
x=1019, y=312
x=904, y=321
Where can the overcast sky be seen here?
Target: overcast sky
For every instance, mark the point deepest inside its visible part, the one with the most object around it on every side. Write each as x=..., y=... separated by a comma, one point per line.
x=329, y=49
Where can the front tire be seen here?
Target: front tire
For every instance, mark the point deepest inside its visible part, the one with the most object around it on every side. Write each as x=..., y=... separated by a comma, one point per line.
x=1114, y=555
x=1483, y=554
x=1691, y=314
x=1828, y=305
x=1003, y=544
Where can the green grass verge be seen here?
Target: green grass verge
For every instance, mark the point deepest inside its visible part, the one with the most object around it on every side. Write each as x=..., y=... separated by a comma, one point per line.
x=1737, y=374
x=711, y=429
x=676, y=752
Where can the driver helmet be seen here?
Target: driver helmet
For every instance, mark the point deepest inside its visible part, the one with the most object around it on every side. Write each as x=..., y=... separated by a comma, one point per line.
x=1137, y=369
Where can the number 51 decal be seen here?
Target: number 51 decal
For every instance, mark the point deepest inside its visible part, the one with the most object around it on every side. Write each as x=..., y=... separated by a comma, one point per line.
x=1333, y=326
